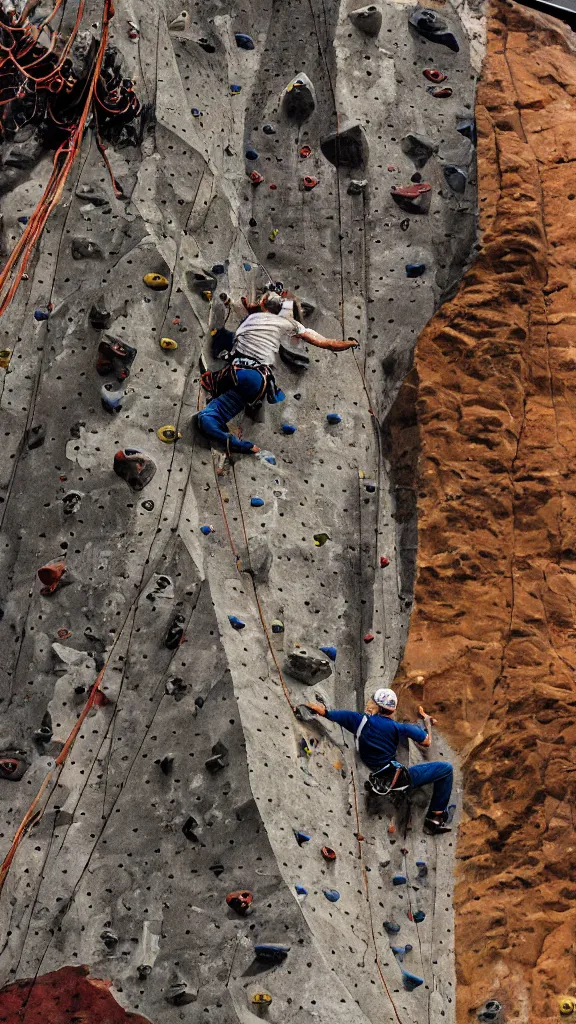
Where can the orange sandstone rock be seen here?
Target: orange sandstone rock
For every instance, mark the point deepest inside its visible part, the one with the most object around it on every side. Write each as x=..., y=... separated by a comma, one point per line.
x=63, y=997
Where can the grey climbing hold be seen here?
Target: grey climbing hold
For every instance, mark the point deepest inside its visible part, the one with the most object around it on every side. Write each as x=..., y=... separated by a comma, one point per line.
x=467, y=128
x=188, y=829
x=306, y=666
x=180, y=22
x=176, y=688
x=430, y=25
x=347, y=147
x=456, y=177
x=36, y=437
x=357, y=186
x=295, y=358
x=367, y=19
x=299, y=98
x=491, y=1012
x=401, y=951
x=180, y=993
x=99, y=317
x=167, y=764
x=71, y=502
x=269, y=129
x=391, y=928
x=111, y=396
x=418, y=148
x=84, y=249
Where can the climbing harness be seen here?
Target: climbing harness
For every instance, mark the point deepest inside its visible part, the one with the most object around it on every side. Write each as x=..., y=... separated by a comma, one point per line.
x=392, y=778
x=217, y=382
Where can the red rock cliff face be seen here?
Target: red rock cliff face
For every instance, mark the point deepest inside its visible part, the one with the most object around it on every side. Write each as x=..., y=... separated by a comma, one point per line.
x=493, y=630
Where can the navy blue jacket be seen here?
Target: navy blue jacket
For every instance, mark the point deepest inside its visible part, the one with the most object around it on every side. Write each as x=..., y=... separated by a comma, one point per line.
x=379, y=737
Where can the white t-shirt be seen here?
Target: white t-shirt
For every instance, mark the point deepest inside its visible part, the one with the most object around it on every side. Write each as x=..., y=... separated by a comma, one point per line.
x=261, y=334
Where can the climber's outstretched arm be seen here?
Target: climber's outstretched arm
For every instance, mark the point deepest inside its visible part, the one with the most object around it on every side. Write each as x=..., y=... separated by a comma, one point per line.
x=321, y=342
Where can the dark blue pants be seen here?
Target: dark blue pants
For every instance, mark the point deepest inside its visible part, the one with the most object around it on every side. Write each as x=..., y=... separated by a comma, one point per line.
x=438, y=772
x=213, y=420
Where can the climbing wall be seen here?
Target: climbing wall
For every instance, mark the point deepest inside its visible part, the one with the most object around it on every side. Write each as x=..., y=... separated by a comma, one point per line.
x=201, y=603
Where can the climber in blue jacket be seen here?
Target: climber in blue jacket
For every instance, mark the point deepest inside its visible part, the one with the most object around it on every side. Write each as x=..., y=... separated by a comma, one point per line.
x=377, y=737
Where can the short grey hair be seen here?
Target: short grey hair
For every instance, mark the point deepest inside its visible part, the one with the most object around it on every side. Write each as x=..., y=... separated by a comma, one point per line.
x=272, y=302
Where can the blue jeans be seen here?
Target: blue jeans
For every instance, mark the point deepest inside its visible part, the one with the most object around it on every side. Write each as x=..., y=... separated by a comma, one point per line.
x=438, y=772
x=213, y=420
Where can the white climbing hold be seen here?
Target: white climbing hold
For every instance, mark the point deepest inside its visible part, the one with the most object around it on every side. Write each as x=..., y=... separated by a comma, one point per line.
x=180, y=22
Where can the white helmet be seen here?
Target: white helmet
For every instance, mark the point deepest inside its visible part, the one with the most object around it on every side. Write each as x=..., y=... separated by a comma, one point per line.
x=386, y=699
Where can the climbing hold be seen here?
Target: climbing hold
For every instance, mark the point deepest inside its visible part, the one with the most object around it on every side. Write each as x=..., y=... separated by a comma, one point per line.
x=5, y=357
x=51, y=575
x=85, y=249
x=251, y=154
x=412, y=198
x=307, y=667
x=330, y=651
x=301, y=837
x=269, y=129
x=296, y=359
x=415, y=269
x=168, y=434
x=304, y=152
x=288, y=428
x=178, y=994
x=148, y=505
x=269, y=953
x=277, y=626
x=168, y=344
x=44, y=733
x=430, y=25
x=240, y=900
x=63, y=634
x=422, y=868
x=273, y=234
x=115, y=357
x=235, y=622
x=391, y=928
x=39, y=314
x=434, y=76
x=13, y=765
x=244, y=42
x=418, y=916
x=175, y=633
x=333, y=418
x=367, y=19
x=320, y=539
x=216, y=762
x=411, y=981
x=261, y=999
x=188, y=829
x=347, y=147
x=167, y=764
x=356, y=186
x=332, y=895
x=566, y=1005
x=206, y=530
x=22, y=220
x=235, y=89
x=111, y=397
x=400, y=952
x=404, y=224
x=440, y=93
x=180, y=22
x=195, y=112
x=490, y=1012
x=309, y=182
x=256, y=178
x=265, y=456
x=419, y=148
x=327, y=853
x=156, y=281
x=368, y=638
x=299, y=98
x=301, y=891
x=399, y=880
x=257, y=502
x=176, y=688
x=36, y=437
x=456, y=177
x=467, y=128
x=133, y=31
x=71, y=502
x=99, y=317
x=384, y=561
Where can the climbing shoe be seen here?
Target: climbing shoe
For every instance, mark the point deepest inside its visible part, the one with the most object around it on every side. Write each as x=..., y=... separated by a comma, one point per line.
x=435, y=823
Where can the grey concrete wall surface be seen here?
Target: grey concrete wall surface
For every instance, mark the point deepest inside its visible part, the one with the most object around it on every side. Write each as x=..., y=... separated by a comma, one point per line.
x=107, y=876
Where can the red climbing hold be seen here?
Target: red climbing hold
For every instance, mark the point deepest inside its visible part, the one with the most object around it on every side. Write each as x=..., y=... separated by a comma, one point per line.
x=411, y=191
x=305, y=152
x=384, y=561
x=51, y=575
x=309, y=183
x=327, y=853
x=440, y=94
x=240, y=901
x=100, y=699
x=256, y=178
x=433, y=75
x=368, y=638
x=273, y=188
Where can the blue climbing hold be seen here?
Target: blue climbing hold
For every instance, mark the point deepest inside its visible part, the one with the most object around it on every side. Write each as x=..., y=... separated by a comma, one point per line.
x=206, y=530
x=411, y=981
x=330, y=651
x=235, y=622
x=247, y=266
x=288, y=428
x=243, y=41
x=269, y=953
x=331, y=894
x=39, y=314
x=301, y=890
x=400, y=951
x=251, y=154
x=399, y=880
x=333, y=417
x=418, y=916
x=269, y=129
x=415, y=269
x=22, y=220
x=235, y=89
x=301, y=837
x=257, y=502
x=391, y=928
x=422, y=868
x=195, y=112
x=218, y=269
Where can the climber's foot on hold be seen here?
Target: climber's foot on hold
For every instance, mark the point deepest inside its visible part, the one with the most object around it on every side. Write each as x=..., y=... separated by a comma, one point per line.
x=435, y=823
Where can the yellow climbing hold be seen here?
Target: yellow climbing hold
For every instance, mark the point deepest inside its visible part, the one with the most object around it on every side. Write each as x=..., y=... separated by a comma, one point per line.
x=168, y=434
x=262, y=998
x=156, y=281
x=5, y=357
x=207, y=295
x=566, y=1005
x=273, y=234
x=320, y=539
x=168, y=344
